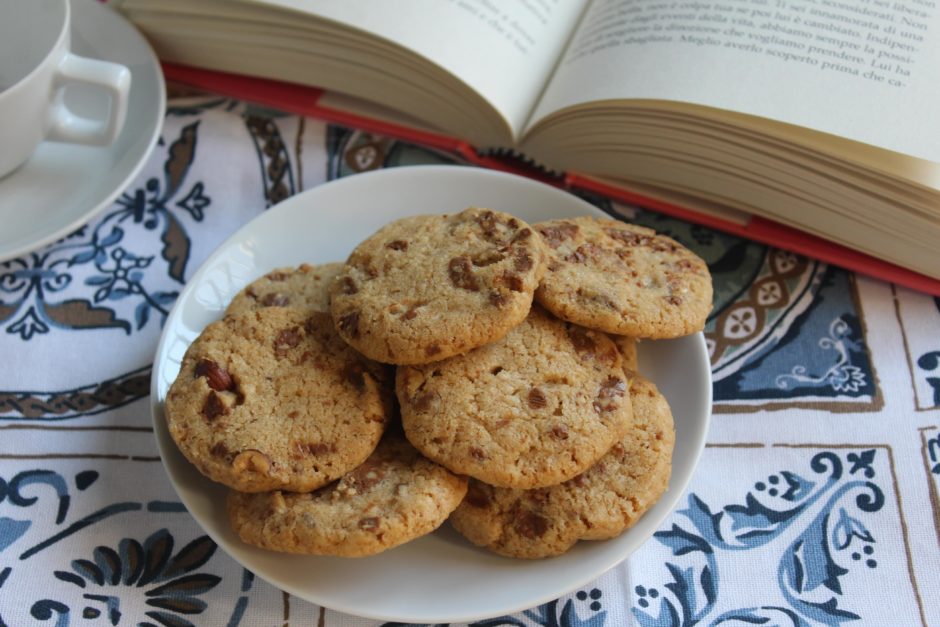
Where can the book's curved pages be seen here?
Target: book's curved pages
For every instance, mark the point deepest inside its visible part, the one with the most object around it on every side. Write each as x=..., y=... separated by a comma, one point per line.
x=808, y=125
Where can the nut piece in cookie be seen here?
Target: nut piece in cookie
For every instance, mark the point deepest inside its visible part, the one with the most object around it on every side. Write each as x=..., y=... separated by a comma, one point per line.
x=599, y=504
x=306, y=286
x=535, y=408
x=622, y=278
x=424, y=288
x=395, y=496
x=274, y=399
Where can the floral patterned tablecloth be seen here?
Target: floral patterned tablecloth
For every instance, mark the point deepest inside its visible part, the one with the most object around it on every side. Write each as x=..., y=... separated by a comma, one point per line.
x=816, y=502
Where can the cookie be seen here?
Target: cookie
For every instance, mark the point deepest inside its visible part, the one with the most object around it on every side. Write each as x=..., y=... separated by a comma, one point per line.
x=274, y=399
x=533, y=409
x=622, y=278
x=627, y=347
x=597, y=505
x=424, y=288
x=303, y=286
x=395, y=496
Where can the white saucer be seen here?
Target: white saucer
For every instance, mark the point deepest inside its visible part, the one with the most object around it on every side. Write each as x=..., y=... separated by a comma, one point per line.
x=440, y=578
x=64, y=185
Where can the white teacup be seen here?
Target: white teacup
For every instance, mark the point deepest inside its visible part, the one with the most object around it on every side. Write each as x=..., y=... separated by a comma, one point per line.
x=36, y=67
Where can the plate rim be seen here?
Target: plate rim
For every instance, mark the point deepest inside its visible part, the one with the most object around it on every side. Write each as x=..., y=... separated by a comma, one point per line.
x=96, y=206
x=669, y=501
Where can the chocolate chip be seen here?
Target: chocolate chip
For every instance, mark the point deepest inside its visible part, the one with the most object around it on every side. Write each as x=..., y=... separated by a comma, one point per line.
x=583, y=344
x=498, y=299
x=286, y=340
x=662, y=245
x=312, y=449
x=629, y=237
x=349, y=324
x=354, y=374
x=219, y=450
x=477, y=453
x=559, y=432
x=366, y=475
x=555, y=235
x=488, y=223
x=275, y=300
x=397, y=244
x=461, y=274
x=277, y=276
x=537, y=399
x=530, y=525
x=522, y=261
x=612, y=388
x=432, y=350
x=513, y=281
x=369, y=524
x=477, y=495
x=583, y=253
x=348, y=286
x=422, y=402
x=522, y=235
x=576, y=257
x=213, y=407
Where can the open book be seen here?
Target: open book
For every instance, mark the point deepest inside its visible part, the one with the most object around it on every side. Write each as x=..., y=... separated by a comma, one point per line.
x=820, y=115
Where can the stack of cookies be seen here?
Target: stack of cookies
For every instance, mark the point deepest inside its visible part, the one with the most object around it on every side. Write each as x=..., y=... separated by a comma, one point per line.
x=468, y=367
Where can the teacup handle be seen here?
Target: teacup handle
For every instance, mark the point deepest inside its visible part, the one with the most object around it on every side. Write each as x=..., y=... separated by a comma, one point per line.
x=66, y=126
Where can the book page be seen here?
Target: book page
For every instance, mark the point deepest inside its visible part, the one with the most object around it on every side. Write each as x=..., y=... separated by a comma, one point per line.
x=503, y=49
x=866, y=70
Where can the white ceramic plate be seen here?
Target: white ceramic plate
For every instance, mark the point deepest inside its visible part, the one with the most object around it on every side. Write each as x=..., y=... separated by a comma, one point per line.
x=63, y=186
x=439, y=578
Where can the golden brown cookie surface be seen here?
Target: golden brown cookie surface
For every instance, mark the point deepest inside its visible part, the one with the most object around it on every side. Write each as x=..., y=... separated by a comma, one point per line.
x=395, y=496
x=533, y=409
x=274, y=399
x=596, y=505
x=306, y=286
x=622, y=278
x=427, y=287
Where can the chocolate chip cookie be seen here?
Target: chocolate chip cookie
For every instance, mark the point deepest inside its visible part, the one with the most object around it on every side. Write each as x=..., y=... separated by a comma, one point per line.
x=599, y=504
x=426, y=287
x=623, y=279
x=535, y=408
x=274, y=399
x=395, y=496
x=303, y=286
